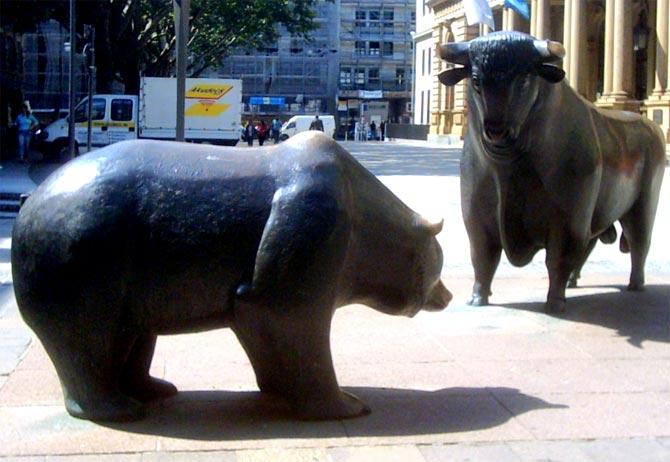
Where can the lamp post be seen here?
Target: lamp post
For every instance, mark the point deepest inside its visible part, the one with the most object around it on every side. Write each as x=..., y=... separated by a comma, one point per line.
x=71, y=122
x=181, y=9
x=89, y=50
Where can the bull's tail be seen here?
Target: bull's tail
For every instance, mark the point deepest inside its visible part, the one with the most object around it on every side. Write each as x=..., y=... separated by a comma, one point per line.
x=609, y=235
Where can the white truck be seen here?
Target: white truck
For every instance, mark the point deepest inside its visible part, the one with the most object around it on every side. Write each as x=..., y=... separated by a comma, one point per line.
x=301, y=123
x=212, y=115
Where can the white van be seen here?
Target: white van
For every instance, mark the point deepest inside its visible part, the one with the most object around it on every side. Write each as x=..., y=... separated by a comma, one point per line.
x=301, y=123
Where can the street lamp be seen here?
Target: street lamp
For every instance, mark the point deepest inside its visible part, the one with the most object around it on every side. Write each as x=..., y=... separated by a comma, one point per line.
x=70, y=127
x=640, y=34
x=89, y=54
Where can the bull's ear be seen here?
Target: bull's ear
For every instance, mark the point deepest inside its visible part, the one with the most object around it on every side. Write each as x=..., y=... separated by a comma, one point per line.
x=551, y=73
x=453, y=76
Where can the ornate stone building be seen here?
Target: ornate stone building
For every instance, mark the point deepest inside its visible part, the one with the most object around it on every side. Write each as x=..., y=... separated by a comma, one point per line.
x=616, y=53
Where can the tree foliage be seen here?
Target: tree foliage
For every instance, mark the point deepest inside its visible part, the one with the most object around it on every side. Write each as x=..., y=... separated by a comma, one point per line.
x=137, y=36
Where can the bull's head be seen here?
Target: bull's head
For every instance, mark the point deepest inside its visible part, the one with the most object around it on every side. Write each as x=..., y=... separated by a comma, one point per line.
x=506, y=70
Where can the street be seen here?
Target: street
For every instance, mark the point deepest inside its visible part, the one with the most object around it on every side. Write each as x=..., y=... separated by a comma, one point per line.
x=505, y=382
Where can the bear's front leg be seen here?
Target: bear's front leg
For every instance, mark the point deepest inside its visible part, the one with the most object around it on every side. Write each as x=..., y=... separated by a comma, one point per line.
x=290, y=354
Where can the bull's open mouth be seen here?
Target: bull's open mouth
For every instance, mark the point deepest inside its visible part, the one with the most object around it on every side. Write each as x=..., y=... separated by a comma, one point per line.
x=500, y=147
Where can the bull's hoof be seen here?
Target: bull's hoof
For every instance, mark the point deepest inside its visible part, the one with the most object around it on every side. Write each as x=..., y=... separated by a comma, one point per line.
x=345, y=406
x=478, y=300
x=555, y=305
x=635, y=287
x=149, y=389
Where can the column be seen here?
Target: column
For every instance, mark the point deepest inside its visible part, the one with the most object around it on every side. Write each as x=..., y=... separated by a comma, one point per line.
x=609, y=48
x=533, y=18
x=543, y=21
x=623, y=51
x=567, y=38
x=577, y=44
x=662, y=48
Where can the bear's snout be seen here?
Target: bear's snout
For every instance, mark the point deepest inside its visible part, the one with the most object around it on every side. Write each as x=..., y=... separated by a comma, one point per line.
x=438, y=298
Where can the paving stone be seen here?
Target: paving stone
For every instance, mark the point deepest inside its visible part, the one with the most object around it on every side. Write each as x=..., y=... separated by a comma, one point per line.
x=447, y=415
x=665, y=441
x=210, y=456
x=549, y=451
x=282, y=455
x=24, y=459
x=593, y=415
x=467, y=453
x=638, y=450
x=32, y=388
x=44, y=430
x=96, y=458
x=378, y=453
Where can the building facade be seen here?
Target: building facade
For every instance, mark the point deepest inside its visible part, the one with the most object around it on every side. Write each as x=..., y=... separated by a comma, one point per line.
x=616, y=53
x=375, y=60
x=291, y=76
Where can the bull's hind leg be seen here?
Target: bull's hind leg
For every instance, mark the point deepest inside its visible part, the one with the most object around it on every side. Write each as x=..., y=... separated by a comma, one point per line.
x=637, y=235
x=88, y=365
x=291, y=357
x=565, y=253
x=135, y=380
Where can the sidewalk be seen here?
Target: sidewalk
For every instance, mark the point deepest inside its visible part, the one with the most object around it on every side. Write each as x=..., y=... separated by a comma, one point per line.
x=499, y=383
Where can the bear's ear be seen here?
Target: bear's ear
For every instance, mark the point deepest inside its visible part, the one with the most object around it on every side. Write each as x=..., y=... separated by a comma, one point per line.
x=451, y=77
x=431, y=228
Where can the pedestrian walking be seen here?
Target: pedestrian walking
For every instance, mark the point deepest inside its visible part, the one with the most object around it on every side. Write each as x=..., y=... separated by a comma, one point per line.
x=373, y=130
x=317, y=124
x=262, y=132
x=276, y=130
x=249, y=133
x=382, y=130
x=26, y=124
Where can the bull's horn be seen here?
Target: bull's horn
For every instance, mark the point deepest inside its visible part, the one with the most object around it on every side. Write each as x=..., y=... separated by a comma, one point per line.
x=549, y=50
x=455, y=52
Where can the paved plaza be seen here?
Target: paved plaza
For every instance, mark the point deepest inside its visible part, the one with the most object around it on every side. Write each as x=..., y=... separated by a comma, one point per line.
x=505, y=382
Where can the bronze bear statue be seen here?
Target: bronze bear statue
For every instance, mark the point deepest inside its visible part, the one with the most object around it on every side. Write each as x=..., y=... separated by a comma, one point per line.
x=144, y=238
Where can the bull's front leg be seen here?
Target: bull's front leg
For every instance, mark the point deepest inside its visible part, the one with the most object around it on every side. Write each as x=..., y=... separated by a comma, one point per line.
x=485, y=252
x=564, y=254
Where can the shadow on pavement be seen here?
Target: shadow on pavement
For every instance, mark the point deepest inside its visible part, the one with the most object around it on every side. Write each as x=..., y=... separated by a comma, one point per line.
x=639, y=316
x=226, y=415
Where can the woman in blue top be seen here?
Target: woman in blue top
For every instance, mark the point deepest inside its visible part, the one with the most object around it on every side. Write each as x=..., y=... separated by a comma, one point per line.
x=25, y=123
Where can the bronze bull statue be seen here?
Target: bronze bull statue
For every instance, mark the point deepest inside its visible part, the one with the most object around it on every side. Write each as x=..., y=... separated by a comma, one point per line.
x=544, y=168
x=144, y=238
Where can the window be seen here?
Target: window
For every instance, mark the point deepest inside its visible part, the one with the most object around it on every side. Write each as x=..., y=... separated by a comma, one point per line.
x=374, y=49
x=360, y=76
x=345, y=75
x=400, y=76
x=423, y=95
x=360, y=48
x=428, y=108
x=388, y=48
x=97, y=111
x=373, y=76
x=360, y=18
x=430, y=54
x=423, y=62
x=388, y=19
x=373, y=15
x=122, y=109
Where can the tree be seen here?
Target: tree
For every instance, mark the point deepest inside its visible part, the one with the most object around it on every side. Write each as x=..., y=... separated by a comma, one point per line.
x=134, y=36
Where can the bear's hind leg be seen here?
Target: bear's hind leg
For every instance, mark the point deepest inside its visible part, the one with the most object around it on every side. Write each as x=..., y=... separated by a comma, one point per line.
x=135, y=380
x=87, y=364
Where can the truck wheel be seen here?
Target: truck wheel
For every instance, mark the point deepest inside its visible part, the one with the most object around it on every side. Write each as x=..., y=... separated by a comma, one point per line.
x=283, y=137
